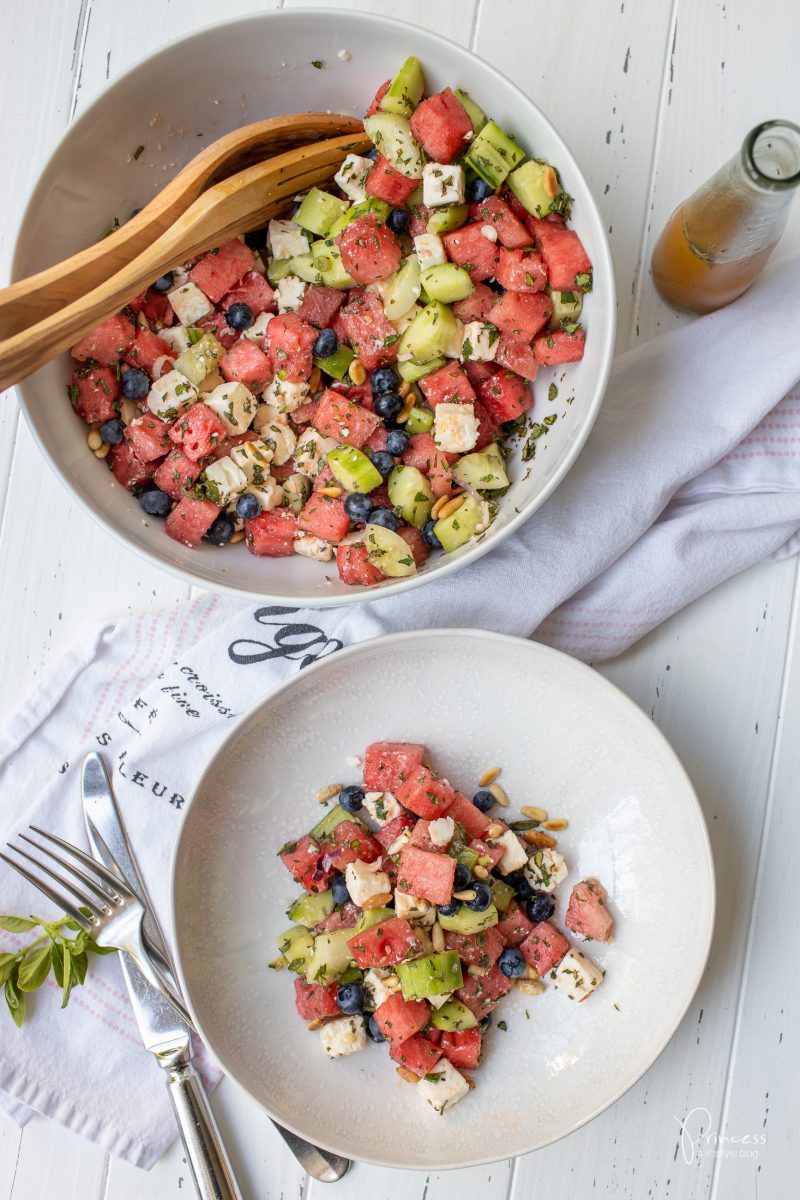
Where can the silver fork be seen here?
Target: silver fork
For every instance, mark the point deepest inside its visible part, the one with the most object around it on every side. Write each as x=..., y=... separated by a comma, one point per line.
x=98, y=901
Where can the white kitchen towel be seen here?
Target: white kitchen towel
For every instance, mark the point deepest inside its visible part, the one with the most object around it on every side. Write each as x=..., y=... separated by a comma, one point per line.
x=691, y=474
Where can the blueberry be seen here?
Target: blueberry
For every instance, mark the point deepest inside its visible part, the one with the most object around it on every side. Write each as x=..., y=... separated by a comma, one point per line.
x=462, y=877
x=430, y=539
x=358, y=506
x=112, y=431
x=450, y=910
x=351, y=798
x=483, y=800
x=326, y=344
x=372, y=155
x=373, y=1030
x=397, y=442
x=479, y=189
x=383, y=462
x=295, y=209
x=156, y=503
x=397, y=220
x=247, y=507
x=384, y=517
x=221, y=531
x=540, y=907
x=350, y=997
x=496, y=287
x=388, y=405
x=135, y=384
x=520, y=885
x=256, y=239
x=511, y=963
x=383, y=380
x=164, y=283
x=339, y=889
x=483, y=897
x=239, y=316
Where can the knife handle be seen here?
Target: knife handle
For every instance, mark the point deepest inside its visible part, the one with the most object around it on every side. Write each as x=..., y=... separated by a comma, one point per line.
x=209, y=1163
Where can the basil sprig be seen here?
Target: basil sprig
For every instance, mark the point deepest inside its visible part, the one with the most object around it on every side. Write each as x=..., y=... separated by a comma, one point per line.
x=55, y=950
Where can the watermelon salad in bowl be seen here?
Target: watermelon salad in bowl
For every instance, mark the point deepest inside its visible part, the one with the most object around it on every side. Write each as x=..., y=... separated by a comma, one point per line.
x=381, y=383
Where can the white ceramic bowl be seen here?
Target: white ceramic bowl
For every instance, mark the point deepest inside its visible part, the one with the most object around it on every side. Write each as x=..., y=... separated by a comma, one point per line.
x=567, y=740
x=204, y=86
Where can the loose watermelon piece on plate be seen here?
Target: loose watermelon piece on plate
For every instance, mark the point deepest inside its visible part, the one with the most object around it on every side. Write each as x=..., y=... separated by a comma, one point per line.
x=254, y=291
x=385, y=944
x=176, y=473
x=93, y=391
x=442, y=126
x=448, y=385
x=425, y=874
x=190, y=520
x=315, y=1000
x=351, y=842
x=521, y=270
x=368, y=330
x=475, y=307
x=465, y=813
x=288, y=344
x=400, y=1019
x=424, y=794
x=149, y=437
x=271, y=534
x=354, y=566
x=564, y=256
x=106, y=344
x=506, y=396
x=197, y=431
x=473, y=251
x=517, y=355
x=558, y=346
x=388, y=764
x=544, y=947
x=515, y=926
x=220, y=270
x=588, y=913
x=481, y=994
x=494, y=211
x=462, y=1048
x=145, y=349
x=369, y=249
x=385, y=183
x=521, y=314
x=324, y=517
x=304, y=860
x=127, y=469
x=477, y=949
x=340, y=418
x=245, y=363
x=416, y=1054
x=320, y=305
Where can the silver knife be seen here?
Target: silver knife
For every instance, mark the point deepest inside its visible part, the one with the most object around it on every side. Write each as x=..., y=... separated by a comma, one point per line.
x=163, y=1032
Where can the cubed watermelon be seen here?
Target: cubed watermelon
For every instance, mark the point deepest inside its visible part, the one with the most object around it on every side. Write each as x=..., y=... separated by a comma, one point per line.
x=494, y=211
x=197, y=431
x=462, y=1048
x=190, y=520
x=420, y=551
x=388, y=764
x=416, y=1054
x=517, y=355
x=325, y=478
x=418, y=219
x=368, y=330
x=93, y=391
x=424, y=454
x=442, y=126
x=106, y=344
x=521, y=314
x=515, y=926
x=315, y=1000
x=351, y=842
x=475, y=307
x=340, y=418
x=272, y=533
x=288, y=344
x=563, y=254
x=521, y=270
x=424, y=794
x=465, y=813
x=477, y=949
x=369, y=249
x=385, y=183
x=544, y=947
x=421, y=838
x=254, y=291
x=484, y=850
x=588, y=913
x=127, y=469
x=217, y=323
x=478, y=372
x=487, y=427
x=320, y=305
x=324, y=517
x=481, y=994
x=448, y=385
x=354, y=566
x=175, y=473
x=304, y=860
x=377, y=440
x=473, y=251
x=558, y=346
x=389, y=833
x=400, y=1019
x=506, y=396
x=145, y=349
x=385, y=944
x=304, y=414
x=245, y=363
x=375, y=103
x=154, y=306
x=149, y=437
x=425, y=874
x=220, y=270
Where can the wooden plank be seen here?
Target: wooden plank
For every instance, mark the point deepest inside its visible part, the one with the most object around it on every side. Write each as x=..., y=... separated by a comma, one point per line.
x=490, y=1182
x=10, y=1143
x=55, y=1162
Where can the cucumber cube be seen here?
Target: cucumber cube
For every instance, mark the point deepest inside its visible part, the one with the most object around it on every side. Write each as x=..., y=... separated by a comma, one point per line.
x=535, y=184
x=353, y=470
x=401, y=291
x=296, y=946
x=336, y=364
x=436, y=975
x=410, y=372
x=406, y=89
x=318, y=211
x=391, y=135
x=483, y=470
x=453, y=1016
x=330, y=957
x=199, y=360
x=329, y=822
x=567, y=306
x=389, y=552
x=310, y=909
x=429, y=333
x=278, y=269
x=452, y=216
x=474, y=111
x=447, y=283
x=503, y=895
x=467, y=921
x=460, y=526
x=373, y=916
x=371, y=205
x=410, y=493
x=493, y=154
x=322, y=265
x=420, y=420
x=468, y=858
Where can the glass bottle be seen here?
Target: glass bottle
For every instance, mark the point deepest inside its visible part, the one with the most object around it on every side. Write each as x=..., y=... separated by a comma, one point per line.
x=716, y=243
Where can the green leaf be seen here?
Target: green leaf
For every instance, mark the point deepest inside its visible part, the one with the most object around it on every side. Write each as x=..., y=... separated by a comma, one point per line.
x=57, y=959
x=6, y=966
x=67, y=986
x=17, y=924
x=16, y=1003
x=34, y=968
x=93, y=947
x=79, y=965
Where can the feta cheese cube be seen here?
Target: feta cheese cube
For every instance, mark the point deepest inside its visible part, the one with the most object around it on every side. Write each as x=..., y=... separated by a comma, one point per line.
x=313, y=547
x=365, y=880
x=212, y=380
x=479, y=341
x=189, y=304
x=455, y=346
x=226, y=479
x=375, y=990
x=382, y=807
x=429, y=249
x=352, y=175
x=170, y=395
x=290, y=292
x=259, y=327
x=312, y=446
x=345, y=1035
x=267, y=414
x=285, y=239
x=576, y=975
x=514, y=856
x=281, y=440
x=546, y=869
x=442, y=1087
x=176, y=338
x=401, y=840
x=455, y=428
x=412, y=907
x=269, y=494
x=441, y=831
x=284, y=395
x=234, y=404
x=253, y=459
x=442, y=183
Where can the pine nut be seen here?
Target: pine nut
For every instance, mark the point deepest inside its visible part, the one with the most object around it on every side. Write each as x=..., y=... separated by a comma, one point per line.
x=94, y=440
x=478, y=972
x=392, y=983
x=327, y=793
x=489, y=776
x=409, y=1076
x=543, y=841
x=404, y=389
x=467, y=894
x=378, y=901
x=103, y=451
x=277, y=964
x=405, y=411
x=450, y=507
x=437, y=937
x=480, y=872
x=495, y=831
x=558, y=823
x=438, y=505
x=334, y=492
x=550, y=181
x=314, y=379
x=128, y=411
x=532, y=813
x=531, y=987
x=318, y=1022
x=357, y=372
x=531, y=972
x=485, y=860
x=237, y=537
x=499, y=794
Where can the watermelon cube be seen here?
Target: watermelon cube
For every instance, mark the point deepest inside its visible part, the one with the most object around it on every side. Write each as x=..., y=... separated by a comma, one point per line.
x=190, y=520
x=220, y=270
x=505, y=396
x=350, y=842
x=558, y=346
x=418, y=221
x=304, y=860
x=563, y=254
x=375, y=103
x=496, y=212
x=324, y=517
x=448, y=385
x=106, y=344
x=304, y=414
x=515, y=926
x=421, y=838
x=93, y=391
x=475, y=307
x=588, y=913
x=441, y=126
x=154, y=306
x=420, y=551
x=477, y=372
x=416, y=1054
x=487, y=428
x=149, y=437
x=388, y=764
x=517, y=355
x=127, y=469
x=197, y=431
x=462, y=1048
x=368, y=330
x=473, y=251
x=315, y=1000
x=320, y=305
x=340, y=418
x=145, y=349
x=385, y=183
x=389, y=833
x=254, y=291
x=272, y=533
x=465, y=813
x=176, y=473
x=521, y=270
x=245, y=363
x=377, y=440
x=477, y=949
x=427, y=875
x=369, y=249
x=354, y=566
x=424, y=454
x=481, y=994
x=521, y=314
x=217, y=323
x=485, y=850
x=424, y=794
x=544, y=947
x=288, y=344
x=385, y=944
x=400, y=1019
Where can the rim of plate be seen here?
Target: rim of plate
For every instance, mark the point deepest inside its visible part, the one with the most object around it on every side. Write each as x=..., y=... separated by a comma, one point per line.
x=448, y=563
x=522, y=645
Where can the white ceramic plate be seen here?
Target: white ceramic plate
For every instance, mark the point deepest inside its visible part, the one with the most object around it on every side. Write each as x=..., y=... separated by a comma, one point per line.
x=568, y=741
x=204, y=86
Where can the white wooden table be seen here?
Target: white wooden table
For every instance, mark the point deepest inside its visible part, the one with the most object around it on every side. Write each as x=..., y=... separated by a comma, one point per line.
x=650, y=94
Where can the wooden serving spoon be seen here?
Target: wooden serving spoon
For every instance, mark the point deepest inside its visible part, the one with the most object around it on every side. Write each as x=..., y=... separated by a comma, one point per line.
x=232, y=206
x=26, y=302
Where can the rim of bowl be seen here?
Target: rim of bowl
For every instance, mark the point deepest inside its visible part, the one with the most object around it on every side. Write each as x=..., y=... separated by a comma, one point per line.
x=521, y=645
x=494, y=536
